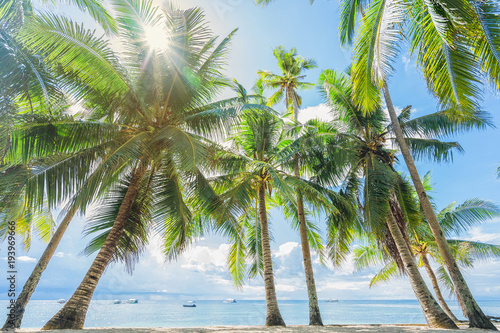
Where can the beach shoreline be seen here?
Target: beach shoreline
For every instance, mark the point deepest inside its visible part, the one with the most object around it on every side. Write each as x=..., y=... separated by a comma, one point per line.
x=373, y=328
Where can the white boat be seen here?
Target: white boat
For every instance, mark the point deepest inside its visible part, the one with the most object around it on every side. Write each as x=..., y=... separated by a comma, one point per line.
x=61, y=301
x=132, y=301
x=189, y=304
x=230, y=300
x=117, y=301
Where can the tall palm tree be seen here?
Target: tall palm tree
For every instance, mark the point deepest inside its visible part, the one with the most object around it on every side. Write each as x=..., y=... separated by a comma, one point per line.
x=290, y=80
x=258, y=138
x=387, y=202
x=453, y=220
x=251, y=176
x=157, y=115
x=287, y=83
x=29, y=86
x=457, y=43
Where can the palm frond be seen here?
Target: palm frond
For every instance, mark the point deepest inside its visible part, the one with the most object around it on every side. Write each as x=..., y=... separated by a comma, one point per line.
x=389, y=271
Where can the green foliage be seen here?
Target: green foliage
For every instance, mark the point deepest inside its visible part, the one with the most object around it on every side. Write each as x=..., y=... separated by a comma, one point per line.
x=456, y=43
x=260, y=158
x=149, y=108
x=290, y=80
x=371, y=181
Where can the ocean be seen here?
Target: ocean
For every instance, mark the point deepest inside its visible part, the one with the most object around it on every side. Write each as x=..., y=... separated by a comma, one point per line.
x=103, y=313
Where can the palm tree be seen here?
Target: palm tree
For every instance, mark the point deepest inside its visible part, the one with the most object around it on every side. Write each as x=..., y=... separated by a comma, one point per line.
x=387, y=202
x=456, y=44
x=292, y=67
x=453, y=219
x=158, y=115
x=287, y=83
x=28, y=85
x=251, y=176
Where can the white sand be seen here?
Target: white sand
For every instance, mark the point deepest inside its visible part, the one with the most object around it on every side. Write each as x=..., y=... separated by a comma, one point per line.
x=262, y=329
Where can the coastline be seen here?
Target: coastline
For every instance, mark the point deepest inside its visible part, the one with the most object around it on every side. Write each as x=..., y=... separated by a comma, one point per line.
x=374, y=328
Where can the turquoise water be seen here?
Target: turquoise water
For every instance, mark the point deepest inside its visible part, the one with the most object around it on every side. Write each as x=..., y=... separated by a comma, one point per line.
x=211, y=313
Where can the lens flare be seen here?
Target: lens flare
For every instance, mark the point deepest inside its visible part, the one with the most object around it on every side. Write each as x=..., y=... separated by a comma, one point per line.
x=156, y=37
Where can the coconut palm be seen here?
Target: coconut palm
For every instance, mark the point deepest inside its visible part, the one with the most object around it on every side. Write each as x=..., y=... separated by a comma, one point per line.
x=287, y=83
x=29, y=86
x=386, y=198
x=252, y=176
x=157, y=108
x=290, y=80
x=454, y=220
x=27, y=83
x=456, y=44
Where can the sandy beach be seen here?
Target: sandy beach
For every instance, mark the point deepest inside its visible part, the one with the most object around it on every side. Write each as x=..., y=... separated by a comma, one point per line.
x=262, y=329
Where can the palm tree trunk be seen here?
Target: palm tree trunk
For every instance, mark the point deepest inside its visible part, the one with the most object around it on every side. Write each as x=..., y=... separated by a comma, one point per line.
x=461, y=304
x=314, y=314
x=72, y=315
x=32, y=282
x=476, y=316
x=273, y=316
x=434, y=315
x=437, y=291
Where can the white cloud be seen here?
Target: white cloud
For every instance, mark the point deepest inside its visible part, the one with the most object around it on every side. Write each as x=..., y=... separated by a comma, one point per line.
x=286, y=249
x=25, y=259
x=476, y=234
x=59, y=254
x=285, y=287
x=322, y=112
x=343, y=285
x=407, y=61
x=203, y=258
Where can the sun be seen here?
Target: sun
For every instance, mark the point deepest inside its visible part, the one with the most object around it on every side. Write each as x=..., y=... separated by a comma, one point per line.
x=156, y=37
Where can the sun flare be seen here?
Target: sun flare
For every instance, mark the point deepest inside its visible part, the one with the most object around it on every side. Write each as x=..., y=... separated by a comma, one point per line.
x=156, y=37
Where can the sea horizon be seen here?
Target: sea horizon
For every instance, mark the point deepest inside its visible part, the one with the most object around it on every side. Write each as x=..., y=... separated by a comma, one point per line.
x=171, y=313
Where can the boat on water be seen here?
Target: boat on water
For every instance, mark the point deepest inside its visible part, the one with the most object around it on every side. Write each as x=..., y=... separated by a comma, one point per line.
x=189, y=304
x=132, y=301
x=229, y=300
x=61, y=301
x=117, y=301
x=331, y=300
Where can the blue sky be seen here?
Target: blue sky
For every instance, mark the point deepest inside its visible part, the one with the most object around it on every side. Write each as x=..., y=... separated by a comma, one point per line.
x=201, y=272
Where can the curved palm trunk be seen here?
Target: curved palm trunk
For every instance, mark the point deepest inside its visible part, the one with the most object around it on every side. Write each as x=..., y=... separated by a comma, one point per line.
x=434, y=315
x=32, y=282
x=437, y=291
x=461, y=304
x=273, y=316
x=476, y=316
x=314, y=314
x=72, y=315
